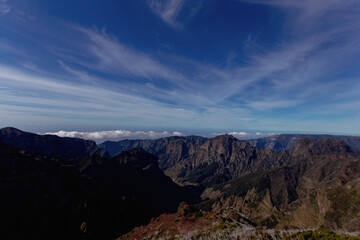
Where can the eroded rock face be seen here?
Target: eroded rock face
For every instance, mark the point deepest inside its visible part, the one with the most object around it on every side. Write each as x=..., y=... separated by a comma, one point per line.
x=169, y=150
x=320, y=189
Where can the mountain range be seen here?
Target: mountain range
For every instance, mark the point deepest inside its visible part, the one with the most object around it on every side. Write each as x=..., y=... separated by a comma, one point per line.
x=58, y=188
x=197, y=160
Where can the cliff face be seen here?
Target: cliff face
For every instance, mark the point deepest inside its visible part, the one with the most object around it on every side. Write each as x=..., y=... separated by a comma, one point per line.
x=320, y=189
x=205, y=162
x=221, y=159
x=200, y=161
x=169, y=150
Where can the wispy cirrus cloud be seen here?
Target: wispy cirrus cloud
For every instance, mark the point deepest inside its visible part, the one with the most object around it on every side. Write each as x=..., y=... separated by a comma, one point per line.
x=115, y=134
x=76, y=98
x=113, y=56
x=322, y=41
x=4, y=7
x=167, y=10
x=272, y=104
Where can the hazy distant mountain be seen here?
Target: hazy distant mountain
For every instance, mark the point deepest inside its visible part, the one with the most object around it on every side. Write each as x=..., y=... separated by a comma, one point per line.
x=50, y=145
x=286, y=141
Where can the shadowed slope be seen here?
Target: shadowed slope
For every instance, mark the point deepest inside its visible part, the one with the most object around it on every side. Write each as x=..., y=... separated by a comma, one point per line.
x=50, y=145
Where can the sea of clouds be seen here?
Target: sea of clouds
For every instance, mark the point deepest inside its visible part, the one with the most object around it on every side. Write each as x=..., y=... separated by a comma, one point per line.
x=115, y=134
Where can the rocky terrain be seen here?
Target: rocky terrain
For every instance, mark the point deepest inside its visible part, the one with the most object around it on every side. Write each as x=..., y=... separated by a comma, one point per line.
x=189, y=223
x=319, y=190
x=201, y=161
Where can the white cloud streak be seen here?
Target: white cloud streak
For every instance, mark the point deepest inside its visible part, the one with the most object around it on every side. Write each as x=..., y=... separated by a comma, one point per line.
x=115, y=135
x=167, y=10
x=4, y=7
x=271, y=105
x=116, y=57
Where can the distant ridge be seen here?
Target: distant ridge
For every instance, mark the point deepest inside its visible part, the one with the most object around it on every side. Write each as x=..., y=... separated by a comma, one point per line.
x=286, y=141
x=197, y=160
x=50, y=145
x=276, y=142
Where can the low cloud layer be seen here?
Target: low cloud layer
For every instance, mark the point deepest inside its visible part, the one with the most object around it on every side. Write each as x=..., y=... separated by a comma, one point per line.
x=114, y=135
x=246, y=135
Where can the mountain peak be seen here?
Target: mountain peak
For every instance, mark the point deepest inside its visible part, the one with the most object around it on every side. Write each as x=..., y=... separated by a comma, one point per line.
x=11, y=130
x=225, y=137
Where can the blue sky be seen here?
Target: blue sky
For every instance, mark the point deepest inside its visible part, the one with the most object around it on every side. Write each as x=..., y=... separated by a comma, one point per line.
x=180, y=65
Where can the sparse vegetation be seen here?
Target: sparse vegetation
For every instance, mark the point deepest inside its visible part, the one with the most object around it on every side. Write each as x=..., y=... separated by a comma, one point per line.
x=320, y=235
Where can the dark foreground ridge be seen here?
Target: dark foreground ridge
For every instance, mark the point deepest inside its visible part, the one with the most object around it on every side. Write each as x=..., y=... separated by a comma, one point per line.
x=92, y=198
